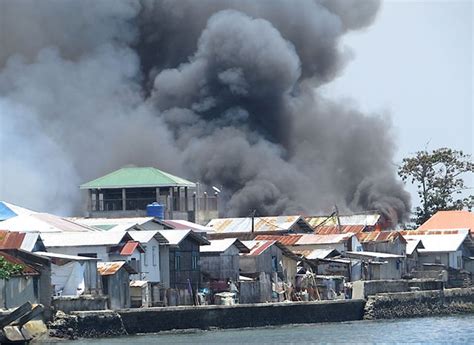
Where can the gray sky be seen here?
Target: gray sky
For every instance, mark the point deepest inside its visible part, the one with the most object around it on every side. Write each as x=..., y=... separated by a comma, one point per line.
x=416, y=64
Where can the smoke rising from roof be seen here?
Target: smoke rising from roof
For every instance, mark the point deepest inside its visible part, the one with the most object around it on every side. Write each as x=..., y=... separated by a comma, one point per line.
x=224, y=92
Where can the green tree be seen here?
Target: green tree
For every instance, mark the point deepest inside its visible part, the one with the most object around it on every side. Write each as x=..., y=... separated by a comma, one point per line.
x=7, y=269
x=439, y=178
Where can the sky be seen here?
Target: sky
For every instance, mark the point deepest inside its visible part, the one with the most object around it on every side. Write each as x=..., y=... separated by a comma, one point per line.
x=415, y=64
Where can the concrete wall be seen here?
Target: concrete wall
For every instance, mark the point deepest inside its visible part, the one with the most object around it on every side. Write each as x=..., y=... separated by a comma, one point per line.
x=84, y=302
x=362, y=289
x=237, y=316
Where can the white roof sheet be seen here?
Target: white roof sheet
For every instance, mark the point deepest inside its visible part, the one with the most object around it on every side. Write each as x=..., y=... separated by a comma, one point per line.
x=218, y=246
x=29, y=241
x=260, y=224
x=143, y=236
x=440, y=241
x=67, y=257
x=72, y=239
x=111, y=221
x=376, y=255
x=412, y=243
x=174, y=237
x=43, y=223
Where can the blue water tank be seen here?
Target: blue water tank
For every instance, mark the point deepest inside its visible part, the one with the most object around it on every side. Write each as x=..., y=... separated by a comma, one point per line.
x=155, y=210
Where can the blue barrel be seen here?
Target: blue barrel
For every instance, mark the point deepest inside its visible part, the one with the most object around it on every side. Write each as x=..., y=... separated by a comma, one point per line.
x=155, y=210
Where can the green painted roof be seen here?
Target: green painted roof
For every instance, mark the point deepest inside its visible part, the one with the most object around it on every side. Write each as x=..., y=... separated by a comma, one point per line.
x=130, y=177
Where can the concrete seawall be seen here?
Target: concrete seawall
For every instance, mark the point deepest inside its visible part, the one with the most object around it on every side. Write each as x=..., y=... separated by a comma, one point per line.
x=419, y=303
x=238, y=316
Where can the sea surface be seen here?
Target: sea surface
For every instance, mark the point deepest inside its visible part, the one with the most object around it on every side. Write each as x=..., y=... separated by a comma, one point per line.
x=447, y=330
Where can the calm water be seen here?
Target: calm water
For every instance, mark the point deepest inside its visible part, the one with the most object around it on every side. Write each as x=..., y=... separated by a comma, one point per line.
x=450, y=329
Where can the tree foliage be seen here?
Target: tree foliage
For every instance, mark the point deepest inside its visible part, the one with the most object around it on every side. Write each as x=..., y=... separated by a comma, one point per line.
x=7, y=269
x=439, y=178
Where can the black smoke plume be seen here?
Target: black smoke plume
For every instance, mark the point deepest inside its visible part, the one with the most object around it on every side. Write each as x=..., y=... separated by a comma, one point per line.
x=224, y=92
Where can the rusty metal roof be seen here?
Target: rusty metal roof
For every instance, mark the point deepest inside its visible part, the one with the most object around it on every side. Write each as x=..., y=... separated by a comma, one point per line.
x=324, y=239
x=355, y=219
x=279, y=223
x=289, y=240
x=11, y=240
x=380, y=236
x=27, y=269
x=334, y=229
x=257, y=247
x=313, y=254
x=110, y=268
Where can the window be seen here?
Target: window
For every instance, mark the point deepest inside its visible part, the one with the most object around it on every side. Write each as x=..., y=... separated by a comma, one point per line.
x=88, y=255
x=195, y=261
x=153, y=255
x=274, y=264
x=145, y=256
x=177, y=261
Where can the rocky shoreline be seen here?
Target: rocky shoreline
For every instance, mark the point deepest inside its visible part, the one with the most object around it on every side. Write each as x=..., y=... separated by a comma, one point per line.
x=419, y=304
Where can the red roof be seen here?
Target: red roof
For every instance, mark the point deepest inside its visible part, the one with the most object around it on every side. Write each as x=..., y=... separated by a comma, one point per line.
x=129, y=248
x=334, y=229
x=260, y=247
x=289, y=240
x=449, y=220
x=11, y=240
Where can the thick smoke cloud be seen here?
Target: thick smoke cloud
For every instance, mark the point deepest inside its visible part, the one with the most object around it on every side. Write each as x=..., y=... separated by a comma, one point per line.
x=224, y=92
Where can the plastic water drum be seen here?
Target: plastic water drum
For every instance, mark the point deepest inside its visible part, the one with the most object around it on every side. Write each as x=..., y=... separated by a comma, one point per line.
x=155, y=210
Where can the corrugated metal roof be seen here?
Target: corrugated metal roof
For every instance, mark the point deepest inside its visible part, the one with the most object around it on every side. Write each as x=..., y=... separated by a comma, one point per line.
x=355, y=219
x=279, y=223
x=334, y=229
x=114, y=224
x=220, y=246
x=96, y=238
x=174, y=237
x=258, y=247
x=380, y=236
x=128, y=248
x=15, y=209
x=313, y=254
x=180, y=224
x=110, y=268
x=27, y=269
x=449, y=220
x=11, y=240
x=323, y=239
x=289, y=240
x=43, y=222
x=130, y=177
x=438, y=240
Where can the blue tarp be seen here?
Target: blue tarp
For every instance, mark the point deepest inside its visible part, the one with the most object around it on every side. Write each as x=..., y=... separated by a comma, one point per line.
x=6, y=212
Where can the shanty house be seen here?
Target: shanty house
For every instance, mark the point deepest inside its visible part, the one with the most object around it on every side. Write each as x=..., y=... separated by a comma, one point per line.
x=390, y=242
x=128, y=191
x=116, y=283
x=413, y=247
x=32, y=283
x=184, y=258
x=446, y=247
x=220, y=260
x=379, y=266
x=248, y=228
x=269, y=257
